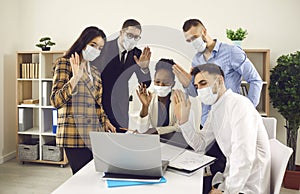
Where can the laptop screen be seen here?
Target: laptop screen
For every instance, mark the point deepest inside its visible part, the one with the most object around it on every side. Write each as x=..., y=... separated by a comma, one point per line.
x=137, y=154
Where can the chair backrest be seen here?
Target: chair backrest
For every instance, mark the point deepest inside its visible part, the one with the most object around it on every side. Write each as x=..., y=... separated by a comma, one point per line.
x=270, y=124
x=280, y=155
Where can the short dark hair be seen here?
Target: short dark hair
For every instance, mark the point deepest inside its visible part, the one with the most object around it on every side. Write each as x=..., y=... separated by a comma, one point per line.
x=211, y=68
x=166, y=64
x=131, y=22
x=191, y=22
x=87, y=35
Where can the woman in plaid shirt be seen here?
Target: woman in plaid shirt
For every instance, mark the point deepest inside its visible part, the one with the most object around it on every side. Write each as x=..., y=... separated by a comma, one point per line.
x=76, y=93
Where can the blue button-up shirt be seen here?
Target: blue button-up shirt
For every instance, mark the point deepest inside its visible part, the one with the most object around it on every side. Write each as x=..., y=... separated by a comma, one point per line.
x=235, y=64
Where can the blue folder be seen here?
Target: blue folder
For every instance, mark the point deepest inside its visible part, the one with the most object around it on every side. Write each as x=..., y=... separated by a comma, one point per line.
x=54, y=120
x=121, y=183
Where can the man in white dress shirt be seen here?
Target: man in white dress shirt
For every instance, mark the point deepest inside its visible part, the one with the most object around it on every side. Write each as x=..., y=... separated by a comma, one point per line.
x=236, y=126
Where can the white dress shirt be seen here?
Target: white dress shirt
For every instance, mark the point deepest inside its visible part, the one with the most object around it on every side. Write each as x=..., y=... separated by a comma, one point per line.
x=239, y=131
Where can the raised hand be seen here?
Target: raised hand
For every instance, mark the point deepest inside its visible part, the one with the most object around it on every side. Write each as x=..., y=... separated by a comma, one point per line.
x=144, y=59
x=144, y=95
x=77, y=66
x=182, y=106
x=184, y=77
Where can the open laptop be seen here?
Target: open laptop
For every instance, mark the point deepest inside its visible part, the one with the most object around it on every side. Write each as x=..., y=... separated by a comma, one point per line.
x=128, y=154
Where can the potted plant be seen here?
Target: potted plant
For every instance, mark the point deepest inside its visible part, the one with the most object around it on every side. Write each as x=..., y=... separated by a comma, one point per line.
x=45, y=43
x=284, y=92
x=236, y=36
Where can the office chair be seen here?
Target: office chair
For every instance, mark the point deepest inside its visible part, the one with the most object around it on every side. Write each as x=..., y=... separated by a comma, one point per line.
x=270, y=124
x=280, y=155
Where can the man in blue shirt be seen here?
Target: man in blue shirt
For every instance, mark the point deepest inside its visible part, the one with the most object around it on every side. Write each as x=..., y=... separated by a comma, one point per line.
x=235, y=65
x=232, y=60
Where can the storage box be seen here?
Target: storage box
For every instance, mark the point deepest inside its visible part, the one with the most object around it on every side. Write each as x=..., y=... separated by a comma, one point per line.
x=52, y=153
x=28, y=152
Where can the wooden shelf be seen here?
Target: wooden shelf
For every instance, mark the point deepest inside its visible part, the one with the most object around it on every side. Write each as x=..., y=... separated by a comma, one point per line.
x=261, y=60
x=32, y=88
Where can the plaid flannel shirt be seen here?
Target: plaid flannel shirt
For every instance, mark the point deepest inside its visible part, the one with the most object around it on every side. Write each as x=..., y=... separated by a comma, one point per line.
x=80, y=109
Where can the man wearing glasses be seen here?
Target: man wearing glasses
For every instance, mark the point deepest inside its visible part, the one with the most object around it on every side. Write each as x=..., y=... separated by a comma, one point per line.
x=119, y=59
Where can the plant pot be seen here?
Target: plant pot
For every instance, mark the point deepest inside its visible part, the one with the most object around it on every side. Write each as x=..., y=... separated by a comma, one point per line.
x=237, y=43
x=45, y=48
x=291, y=179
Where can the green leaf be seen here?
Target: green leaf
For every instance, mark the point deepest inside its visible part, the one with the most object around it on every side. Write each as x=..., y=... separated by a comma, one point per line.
x=45, y=41
x=239, y=34
x=284, y=91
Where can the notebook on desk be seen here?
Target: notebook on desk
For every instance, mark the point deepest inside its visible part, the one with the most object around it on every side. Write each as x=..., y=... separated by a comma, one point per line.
x=183, y=161
x=127, y=154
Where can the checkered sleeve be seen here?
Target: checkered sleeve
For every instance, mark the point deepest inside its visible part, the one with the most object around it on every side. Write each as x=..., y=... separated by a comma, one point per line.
x=61, y=88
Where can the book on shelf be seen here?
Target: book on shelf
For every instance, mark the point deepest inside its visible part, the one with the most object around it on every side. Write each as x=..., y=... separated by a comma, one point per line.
x=30, y=101
x=25, y=119
x=24, y=70
x=36, y=70
x=29, y=70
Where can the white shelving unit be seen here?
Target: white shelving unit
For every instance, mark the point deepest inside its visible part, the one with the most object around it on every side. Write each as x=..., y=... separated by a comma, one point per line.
x=30, y=86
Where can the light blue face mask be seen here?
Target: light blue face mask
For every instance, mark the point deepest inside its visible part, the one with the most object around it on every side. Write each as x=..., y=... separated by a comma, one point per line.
x=207, y=96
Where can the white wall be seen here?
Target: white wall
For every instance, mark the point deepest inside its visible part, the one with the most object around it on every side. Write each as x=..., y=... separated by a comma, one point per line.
x=270, y=24
x=9, y=40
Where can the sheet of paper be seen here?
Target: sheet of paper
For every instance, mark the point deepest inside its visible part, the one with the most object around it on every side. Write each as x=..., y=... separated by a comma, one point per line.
x=169, y=152
x=189, y=160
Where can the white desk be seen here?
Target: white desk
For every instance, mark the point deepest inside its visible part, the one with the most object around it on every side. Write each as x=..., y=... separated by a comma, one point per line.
x=87, y=180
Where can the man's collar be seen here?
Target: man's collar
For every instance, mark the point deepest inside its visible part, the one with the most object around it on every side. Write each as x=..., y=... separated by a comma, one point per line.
x=217, y=46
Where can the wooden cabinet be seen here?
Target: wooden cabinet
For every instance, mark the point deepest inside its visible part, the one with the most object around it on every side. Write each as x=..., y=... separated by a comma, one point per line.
x=34, y=112
x=261, y=60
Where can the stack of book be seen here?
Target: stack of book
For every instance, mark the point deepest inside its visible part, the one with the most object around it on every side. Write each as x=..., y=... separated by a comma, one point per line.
x=29, y=70
x=121, y=180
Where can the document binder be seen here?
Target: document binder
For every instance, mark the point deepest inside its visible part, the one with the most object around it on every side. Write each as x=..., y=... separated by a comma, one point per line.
x=120, y=183
x=47, y=86
x=54, y=120
x=25, y=119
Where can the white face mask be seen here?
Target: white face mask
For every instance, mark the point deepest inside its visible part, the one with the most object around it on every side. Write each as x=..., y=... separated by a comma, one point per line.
x=129, y=44
x=90, y=53
x=207, y=96
x=199, y=44
x=162, y=91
